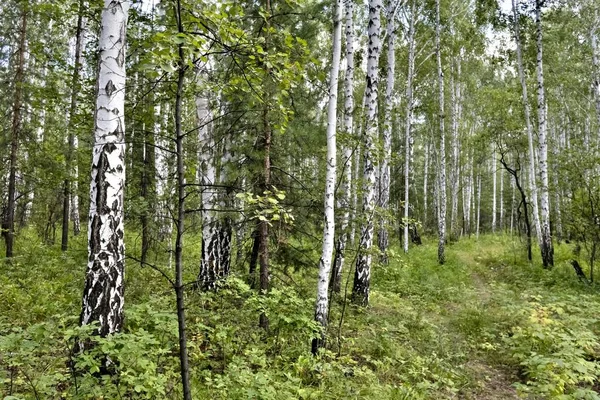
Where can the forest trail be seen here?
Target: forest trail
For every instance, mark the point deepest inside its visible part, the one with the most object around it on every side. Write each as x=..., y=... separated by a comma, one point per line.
x=497, y=383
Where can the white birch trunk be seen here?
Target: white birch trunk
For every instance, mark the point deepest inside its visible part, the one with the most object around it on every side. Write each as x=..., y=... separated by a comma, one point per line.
x=501, y=216
x=322, y=301
x=547, y=249
x=512, y=207
x=347, y=129
x=425, y=183
x=455, y=173
x=478, y=205
x=467, y=194
x=362, y=275
x=596, y=65
x=530, y=136
x=408, y=122
x=384, y=175
x=442, y=150
x=356, y=162
x=103, y=293
x=494, y=189
x=216, y=228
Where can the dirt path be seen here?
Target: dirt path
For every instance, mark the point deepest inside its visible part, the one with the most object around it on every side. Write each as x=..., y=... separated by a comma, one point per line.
x=496, y=383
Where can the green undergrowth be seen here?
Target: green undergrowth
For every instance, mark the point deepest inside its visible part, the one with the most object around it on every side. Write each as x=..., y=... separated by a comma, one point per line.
x=486, y=325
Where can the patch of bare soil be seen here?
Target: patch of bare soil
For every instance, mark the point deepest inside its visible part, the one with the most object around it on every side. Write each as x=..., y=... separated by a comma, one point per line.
x=495, y=384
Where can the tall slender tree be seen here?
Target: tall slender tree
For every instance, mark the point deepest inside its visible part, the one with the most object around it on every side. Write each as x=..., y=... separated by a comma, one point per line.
x=527, y=110
x=103, y=292
x=386, y=142
x=68, y=195
x=408, y=122
x=347, y=130
x=322, y=302
x=17, y=108
x=546, y=246
x=442, y=140
x=362, y=273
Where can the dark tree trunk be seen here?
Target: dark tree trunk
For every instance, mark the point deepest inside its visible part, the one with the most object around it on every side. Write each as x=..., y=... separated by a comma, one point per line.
x=9, y=224
x=515, y=174
x=253, y=259
x=179, y=287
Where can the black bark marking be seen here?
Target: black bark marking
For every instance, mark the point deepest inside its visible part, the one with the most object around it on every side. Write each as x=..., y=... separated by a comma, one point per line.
x=110, y=88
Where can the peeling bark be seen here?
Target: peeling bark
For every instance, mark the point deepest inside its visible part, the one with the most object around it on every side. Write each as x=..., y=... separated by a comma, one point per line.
x=103, y=293
x=347, y=128
x=442, y=150
x=362, y=273
x=322, y=301
x=546, y=245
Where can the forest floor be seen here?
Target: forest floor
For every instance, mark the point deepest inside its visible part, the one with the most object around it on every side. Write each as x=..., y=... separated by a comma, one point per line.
x=486, y=325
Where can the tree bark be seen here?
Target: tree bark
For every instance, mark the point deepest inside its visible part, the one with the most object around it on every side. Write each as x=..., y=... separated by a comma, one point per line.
x=494, y=190
x=322, y=301
x=67, y=185
x=216, y=227
x=442, y=149
x=546, y=246
x=347, y=128
x=384, y=171
x=362, y=273
x=530, y=135
x=9, y=224
x=103, y=292
x=408, y=122
x=455, y=173
x=180, y=223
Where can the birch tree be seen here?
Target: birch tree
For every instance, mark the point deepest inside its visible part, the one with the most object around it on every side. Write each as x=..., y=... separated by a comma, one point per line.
x=70, y=199
x=322, y=302
x=546, y=246
x=216, y=228
x=362, y=273
x=103, y=292
x=347, y=157
x=442, y=136
x=527, y=110
x=408, y=124
x=17, y=110
x=384, y=172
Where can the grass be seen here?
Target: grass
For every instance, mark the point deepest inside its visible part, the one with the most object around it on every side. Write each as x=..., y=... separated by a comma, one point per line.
x=486, y=325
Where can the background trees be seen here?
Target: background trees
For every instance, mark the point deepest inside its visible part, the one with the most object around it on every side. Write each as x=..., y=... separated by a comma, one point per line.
x=227, y=131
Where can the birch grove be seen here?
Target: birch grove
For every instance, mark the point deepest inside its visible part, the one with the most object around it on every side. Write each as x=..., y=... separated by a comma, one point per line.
x=259, y=128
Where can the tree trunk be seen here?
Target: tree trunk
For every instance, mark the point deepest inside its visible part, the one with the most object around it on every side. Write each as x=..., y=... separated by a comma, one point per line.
x=322, y=301
x=595, y=64
x=455, y=173
x=425, y=184
x=9, y=224
x=347, y=129
x=181, y=196
x=501, y=211
x=216, y=228
x=408, y=122
x=384, y=172
x=494, y=190
x=362, y=274
x=67, y=196
x=103, y=293
x=478, y=205
x=442, y=150
x=530, y=135
x=546, y=247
